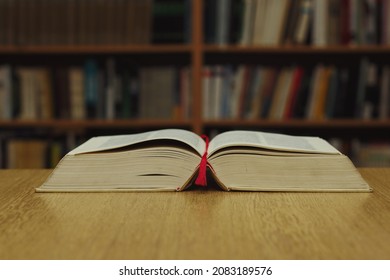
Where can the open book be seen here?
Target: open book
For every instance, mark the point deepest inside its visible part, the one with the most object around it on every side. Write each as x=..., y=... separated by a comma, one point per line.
x=170, y=159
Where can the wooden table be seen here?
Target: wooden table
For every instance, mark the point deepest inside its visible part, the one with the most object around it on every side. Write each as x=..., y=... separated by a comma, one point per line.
x=197, y=224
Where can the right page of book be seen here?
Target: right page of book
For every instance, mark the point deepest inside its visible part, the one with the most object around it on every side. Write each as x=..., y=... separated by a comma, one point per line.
x=272, y=141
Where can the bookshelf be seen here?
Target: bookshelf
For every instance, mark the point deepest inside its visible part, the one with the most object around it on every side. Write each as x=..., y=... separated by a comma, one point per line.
x=195, y=53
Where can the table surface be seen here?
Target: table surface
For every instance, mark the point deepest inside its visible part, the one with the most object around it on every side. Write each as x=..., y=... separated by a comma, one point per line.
x=195, y=224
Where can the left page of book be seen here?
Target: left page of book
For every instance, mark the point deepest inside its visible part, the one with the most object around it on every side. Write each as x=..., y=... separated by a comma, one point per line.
x=168, y=161
x=103, y=143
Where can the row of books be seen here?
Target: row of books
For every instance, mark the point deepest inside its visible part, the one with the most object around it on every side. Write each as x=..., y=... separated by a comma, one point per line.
x=26, y=149
x=29, y=152
x=315, y=22
x=320, y=92
x=371, y=154
x=84, y=22
x=95, y=91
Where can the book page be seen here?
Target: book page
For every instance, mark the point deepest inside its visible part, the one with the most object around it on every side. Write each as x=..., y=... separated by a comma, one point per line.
x=103, y=143
x=272, y=141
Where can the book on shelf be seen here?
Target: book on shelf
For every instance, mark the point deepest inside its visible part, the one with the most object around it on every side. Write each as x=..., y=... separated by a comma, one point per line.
x=26, y=153
x=277, y=22
x=33, y=96
x=371, y=154
x=222, y=21
x=174, y=159
x=249, y=17
x=207, y=88
x=384, y=106
x=25, y=150
x=157, y=98
x=302, y=29
x=76, y=90
x=171, y=22
x=297, y=22
x=281, y=94
x=5, y=92
x=320, y=23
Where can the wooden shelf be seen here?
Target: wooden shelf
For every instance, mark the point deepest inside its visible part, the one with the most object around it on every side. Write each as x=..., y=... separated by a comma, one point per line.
x=259, y=124
x=95, y=49
x=328, y=124
x=95, y=124
x=296, y=49
x=188, y=48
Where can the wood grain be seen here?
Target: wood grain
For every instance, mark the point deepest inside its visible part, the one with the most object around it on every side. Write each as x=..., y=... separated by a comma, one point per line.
x=197, y=224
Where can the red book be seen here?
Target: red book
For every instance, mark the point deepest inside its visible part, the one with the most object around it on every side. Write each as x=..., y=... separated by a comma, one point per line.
x=292, y=96
x=344, y=22
x=244, y=91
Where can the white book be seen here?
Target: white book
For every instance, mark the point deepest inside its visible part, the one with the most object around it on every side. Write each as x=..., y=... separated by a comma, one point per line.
x=279, y=21
x=248, y=22
x=314, y=91
x=29, y=100
x=320, y=24
x=384, y=98
x=76, y=87
x=285, y=93
x=277, y=94
x=223, y=21
x=304, y=20
x=110, y=89
x=237, y=89
x=218, y=88
x=270, y=22
x=260, y=22
x=238, y=161
x=386, y=23
x=5, y=92
x=206, y=92
x=353, y=21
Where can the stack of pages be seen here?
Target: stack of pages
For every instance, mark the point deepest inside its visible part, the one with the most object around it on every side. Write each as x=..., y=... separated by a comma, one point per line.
x=238, y=160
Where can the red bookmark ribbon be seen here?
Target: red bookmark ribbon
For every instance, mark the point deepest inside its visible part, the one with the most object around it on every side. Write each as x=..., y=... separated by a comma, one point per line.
x=201, y=179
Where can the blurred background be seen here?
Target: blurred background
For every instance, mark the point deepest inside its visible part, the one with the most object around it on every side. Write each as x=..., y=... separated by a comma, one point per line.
x=73, y=69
